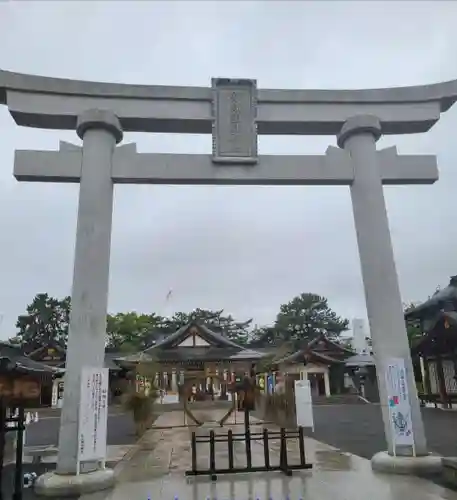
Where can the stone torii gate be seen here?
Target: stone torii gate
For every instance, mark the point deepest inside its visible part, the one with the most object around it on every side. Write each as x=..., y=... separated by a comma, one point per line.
x=234, y=112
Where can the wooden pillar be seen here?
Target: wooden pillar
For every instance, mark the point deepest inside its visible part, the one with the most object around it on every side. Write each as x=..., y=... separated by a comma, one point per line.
x=426, y=375
x=327, y=384
x=441, y=381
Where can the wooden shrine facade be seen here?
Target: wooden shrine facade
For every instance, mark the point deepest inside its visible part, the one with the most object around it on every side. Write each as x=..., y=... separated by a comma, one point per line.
x=196, y=353
x=435, y=351
x=321, y=361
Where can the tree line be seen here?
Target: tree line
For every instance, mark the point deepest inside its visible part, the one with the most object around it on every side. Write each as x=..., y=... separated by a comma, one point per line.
x=46, y=320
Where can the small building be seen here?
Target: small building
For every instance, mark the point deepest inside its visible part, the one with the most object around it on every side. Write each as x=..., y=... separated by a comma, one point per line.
x=54, y=354
x=321, y=361
x=436, y=349
x=361, y=368
x=23, y=367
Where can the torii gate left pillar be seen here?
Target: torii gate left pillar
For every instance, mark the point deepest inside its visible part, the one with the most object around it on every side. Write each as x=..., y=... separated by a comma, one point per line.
x=100, y=131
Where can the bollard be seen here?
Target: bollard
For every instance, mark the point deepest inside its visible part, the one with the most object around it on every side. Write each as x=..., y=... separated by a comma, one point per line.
x=212, y=456
x=18, y=471
x=248, y=450
x=194, y=452
x=266, y=448
x=230, y=448
x=301, y=446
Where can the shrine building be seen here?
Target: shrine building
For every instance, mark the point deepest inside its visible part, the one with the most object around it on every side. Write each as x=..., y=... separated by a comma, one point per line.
x=196, y=354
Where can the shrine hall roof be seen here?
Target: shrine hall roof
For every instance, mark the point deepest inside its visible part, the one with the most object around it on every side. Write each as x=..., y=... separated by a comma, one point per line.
x=215, y=347
x=444, y=297
x=213, y=338
x=15, y=354
x=321, y=349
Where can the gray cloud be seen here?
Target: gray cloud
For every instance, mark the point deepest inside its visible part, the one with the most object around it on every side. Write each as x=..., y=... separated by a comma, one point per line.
x=245, y=249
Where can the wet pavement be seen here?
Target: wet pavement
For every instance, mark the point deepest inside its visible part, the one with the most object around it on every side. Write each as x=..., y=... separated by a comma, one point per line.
x=359, y=429
x=121, y=430
x=157, y=471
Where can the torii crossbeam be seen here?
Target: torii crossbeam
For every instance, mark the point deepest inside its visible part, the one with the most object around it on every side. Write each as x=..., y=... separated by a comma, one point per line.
x=130, y=167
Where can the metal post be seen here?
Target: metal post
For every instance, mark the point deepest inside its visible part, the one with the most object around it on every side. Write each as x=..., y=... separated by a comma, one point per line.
x=247, y=436
x=18, y=471
x=194, y=452
x=230, y=448
x=266, y=448
x=301, y=446
x=212, y=453
x=3, y=431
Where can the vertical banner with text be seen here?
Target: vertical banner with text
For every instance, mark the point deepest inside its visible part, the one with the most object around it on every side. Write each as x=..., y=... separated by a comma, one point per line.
x=93, y=414
x=398, y=401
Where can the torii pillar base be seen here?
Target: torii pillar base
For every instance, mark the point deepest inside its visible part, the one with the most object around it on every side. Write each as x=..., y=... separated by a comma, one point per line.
x=53, y=485
x=425, y=465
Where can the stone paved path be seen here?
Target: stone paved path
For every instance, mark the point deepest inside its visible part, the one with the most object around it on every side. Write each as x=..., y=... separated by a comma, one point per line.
x=166, y=448
x=156, y=472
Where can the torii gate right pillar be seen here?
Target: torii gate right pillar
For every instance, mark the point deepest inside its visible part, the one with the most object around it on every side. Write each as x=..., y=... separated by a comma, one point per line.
x=384, y=306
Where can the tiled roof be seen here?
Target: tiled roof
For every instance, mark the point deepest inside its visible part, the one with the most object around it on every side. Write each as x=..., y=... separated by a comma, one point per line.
x=203, y=354
x=312, y=350
x=110, y=361
x=137, y=357
x=207, y=334
x=445, y=295
x=14, y=353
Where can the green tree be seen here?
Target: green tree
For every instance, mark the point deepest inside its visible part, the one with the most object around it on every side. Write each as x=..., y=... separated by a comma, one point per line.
x=46, y=321
x=305, y=317
x=214, y=320
x=131, y=332
x=264, y=336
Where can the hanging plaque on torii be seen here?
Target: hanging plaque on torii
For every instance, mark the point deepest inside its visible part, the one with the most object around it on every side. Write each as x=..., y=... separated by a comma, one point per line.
x=234, y=126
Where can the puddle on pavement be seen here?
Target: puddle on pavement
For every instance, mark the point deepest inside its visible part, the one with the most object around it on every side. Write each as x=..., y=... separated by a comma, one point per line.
x=332, y=460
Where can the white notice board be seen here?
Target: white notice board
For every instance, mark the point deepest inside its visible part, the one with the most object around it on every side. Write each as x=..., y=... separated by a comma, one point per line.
x=93, y=414
x=398, y=401
x=304, y=404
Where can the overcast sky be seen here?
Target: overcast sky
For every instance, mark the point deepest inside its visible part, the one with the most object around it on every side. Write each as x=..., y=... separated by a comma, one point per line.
x=245, y=249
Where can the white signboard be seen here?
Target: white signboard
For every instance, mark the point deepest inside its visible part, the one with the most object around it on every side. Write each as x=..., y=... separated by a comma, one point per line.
x=398, y=402
x=304, y=404
x=93, y=414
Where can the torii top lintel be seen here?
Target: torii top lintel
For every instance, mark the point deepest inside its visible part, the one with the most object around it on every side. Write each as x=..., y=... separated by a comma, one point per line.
x=55, y=103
